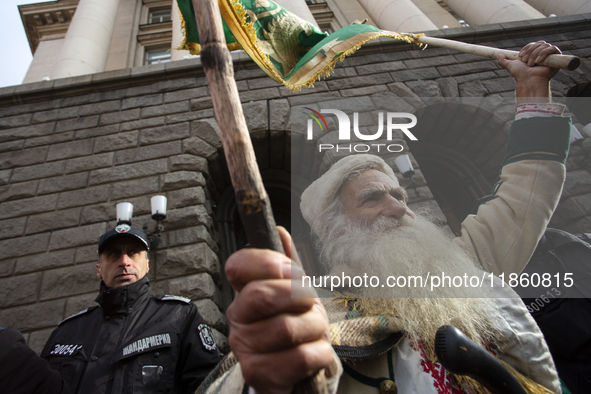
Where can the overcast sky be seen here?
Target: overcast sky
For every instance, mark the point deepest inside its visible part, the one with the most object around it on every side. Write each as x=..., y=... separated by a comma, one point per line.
x=14, y=47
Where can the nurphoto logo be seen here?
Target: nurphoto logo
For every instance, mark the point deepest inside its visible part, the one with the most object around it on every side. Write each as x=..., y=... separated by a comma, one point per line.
x=344, y=129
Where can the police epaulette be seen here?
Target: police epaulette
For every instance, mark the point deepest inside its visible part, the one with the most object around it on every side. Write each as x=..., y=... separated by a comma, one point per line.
x=78, y=314
x=174, y=298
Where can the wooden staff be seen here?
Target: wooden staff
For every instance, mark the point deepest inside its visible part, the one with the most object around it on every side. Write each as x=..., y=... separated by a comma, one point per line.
x=567, y=62
x=251, y=198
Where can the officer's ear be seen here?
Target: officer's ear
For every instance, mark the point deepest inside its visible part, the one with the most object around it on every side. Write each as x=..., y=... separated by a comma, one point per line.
x=98, y=270
x=147, y=261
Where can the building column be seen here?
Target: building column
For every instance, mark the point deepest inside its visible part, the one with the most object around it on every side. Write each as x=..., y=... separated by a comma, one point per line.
x=482, y=12
x=177, y=35
x=87, y=42
x=298, y=7
x=397, y=15
x=561, y=7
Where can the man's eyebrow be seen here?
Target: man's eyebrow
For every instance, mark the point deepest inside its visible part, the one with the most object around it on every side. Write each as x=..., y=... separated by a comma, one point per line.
x=375, y=191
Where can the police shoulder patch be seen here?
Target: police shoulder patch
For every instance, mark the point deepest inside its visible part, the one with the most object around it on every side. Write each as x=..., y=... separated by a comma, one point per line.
x=175, y=298
x=78, y=314
x=206, y=336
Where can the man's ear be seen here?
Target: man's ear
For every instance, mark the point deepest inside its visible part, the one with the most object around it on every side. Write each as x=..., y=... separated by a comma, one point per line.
x=98, y=271
x=147, y=262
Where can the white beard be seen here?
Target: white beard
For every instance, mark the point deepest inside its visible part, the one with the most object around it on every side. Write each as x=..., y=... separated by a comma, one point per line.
x=407, y=247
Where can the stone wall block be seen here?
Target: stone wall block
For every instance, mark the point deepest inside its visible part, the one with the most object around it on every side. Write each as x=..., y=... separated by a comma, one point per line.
x=279, y=111
x=260, y=83
x=62, y=183
x=257, y=117
x=11, y=228
x=429, y=62
x=474, y=77
x=128, y=171
x=142, y=124
x=55, y=114
x=76, y=236
x=182, y=179
x=259, y=94
x=448, y=87
x=76, y=123
x=472, y=89
x=167, y=149
x=35, y=316
x=190, y=235
x=79, y=278
x=356, y=82
x=23, y=246
x=119, y=117
x=165, y=133
x=15, y=121
x=466, y=68
x=81, y=99
x=425, y=88
x=50, y=139
x=88, y=253
x=96, y=131
x=165, y=109
x=43, y=261
x=208, y=130
x=38, y=171
x=499, y=85
x=211, y=314
x=24, y=157
x=201, y=103
x=380, y=68
x=53, y=220
x=195, y=287
x=26, y=132
x=68, y=150
x=28, y=206
x=186, y=197
x=141, y=101
x=116, y=141
x=19, y=290
x=185, y=94
x=100, y=108
x=368, y=90
x=5, y=176
x=11, y=145
x=198, y=147
x=188, y=163
x=76, y=198
x=413, y=75
x=98, y=213
x=184, y=260
x=37, y=339
x=135, y=187
x=182, y=83
x=90, y=162
x=7, y=267
x=78, y=303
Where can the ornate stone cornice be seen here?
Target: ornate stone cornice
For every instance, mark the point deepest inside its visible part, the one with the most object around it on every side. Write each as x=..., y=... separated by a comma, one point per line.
x=46, y=20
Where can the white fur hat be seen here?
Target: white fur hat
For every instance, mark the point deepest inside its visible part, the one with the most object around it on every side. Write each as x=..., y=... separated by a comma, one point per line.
x=322, y=192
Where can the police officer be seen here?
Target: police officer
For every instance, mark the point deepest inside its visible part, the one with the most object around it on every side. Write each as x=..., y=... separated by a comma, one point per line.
x=133, y=342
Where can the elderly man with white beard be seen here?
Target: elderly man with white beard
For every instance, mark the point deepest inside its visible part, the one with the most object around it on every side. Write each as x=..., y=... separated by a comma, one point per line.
x=359, y=212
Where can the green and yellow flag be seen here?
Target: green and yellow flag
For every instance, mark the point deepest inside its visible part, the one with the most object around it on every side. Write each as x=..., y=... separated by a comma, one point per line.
x=289, y=49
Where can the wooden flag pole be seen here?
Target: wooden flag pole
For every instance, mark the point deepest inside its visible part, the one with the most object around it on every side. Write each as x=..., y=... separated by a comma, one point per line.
x=566, y=62
x=251, y=198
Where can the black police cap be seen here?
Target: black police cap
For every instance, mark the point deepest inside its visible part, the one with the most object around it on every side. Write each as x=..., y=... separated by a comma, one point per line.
x=123, y=230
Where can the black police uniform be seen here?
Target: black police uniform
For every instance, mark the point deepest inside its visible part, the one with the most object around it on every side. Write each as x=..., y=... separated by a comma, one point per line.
x=564, y=312
x=133, y=342
x=24, y=372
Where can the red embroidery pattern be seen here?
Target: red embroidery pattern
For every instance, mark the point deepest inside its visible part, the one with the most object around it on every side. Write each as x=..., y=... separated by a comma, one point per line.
x=441, y=380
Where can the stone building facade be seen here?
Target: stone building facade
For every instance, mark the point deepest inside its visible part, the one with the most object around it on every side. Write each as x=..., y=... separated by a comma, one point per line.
x=72, y=148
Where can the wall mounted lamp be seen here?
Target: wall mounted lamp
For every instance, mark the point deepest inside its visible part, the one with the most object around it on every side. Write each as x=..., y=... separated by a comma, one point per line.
x=158, y=204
